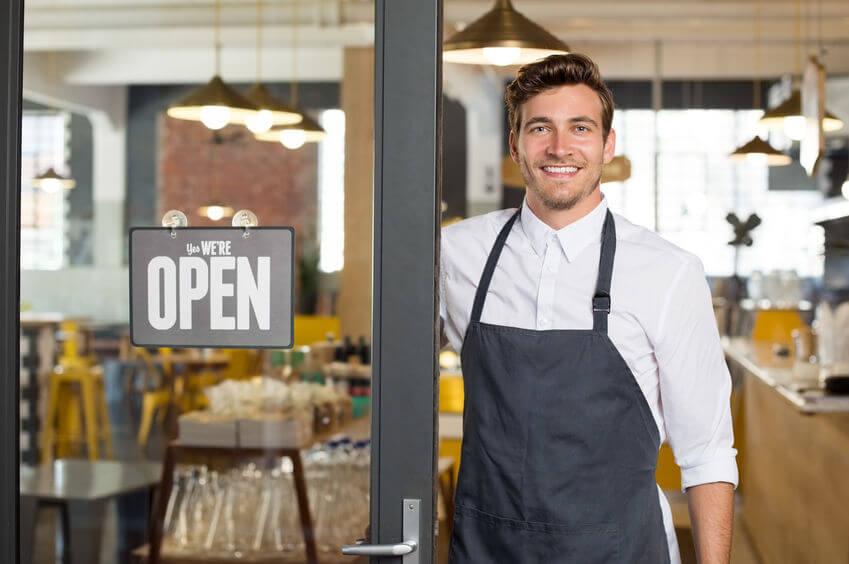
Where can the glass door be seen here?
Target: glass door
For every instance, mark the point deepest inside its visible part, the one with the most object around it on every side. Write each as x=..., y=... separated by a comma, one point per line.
x=113, y=452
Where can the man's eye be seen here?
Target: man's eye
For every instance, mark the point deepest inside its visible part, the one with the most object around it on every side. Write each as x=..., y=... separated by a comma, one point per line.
x=538, y=128
x=582, y=128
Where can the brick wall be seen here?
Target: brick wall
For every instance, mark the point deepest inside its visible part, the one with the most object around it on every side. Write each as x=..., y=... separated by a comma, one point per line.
x=279, y=185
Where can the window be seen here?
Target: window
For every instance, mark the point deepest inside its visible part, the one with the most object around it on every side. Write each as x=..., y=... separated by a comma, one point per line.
x=331, y=192
x=698, y=185
x=43, y=145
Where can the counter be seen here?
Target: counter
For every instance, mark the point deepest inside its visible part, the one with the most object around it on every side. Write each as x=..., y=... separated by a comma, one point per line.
x=794, y=460
x=778, y=373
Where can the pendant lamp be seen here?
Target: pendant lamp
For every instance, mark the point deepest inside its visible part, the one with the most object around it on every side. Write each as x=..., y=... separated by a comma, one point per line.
x=306, y=131
x=215, y=104
x=759, y=150
x=215, y=210
x=788, y=117
x=294, y=136
x=500, y=37
x=51, y=181
x=271, y=110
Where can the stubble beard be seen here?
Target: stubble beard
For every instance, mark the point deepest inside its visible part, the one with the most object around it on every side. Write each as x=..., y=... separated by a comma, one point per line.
x=551, y=201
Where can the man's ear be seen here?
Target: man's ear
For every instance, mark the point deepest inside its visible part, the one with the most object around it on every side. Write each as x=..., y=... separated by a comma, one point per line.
x=610, y=147
x=514, y=151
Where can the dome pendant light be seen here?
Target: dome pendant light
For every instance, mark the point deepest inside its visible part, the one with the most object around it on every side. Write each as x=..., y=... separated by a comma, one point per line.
x=215, y=104
x=271, y=111
x=788, y=117
x=759, y=150
x=501, y=37
x=306, y=131
x=51, y=181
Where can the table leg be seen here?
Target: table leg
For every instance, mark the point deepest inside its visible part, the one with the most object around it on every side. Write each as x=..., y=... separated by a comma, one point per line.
x=86, y=527
x=26, y=524
x=133, y=518
x=304, y=508
x=157, y=516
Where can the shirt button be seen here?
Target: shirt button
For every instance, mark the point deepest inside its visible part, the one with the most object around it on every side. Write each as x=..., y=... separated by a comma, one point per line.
x=551, y=268
x=543, y=322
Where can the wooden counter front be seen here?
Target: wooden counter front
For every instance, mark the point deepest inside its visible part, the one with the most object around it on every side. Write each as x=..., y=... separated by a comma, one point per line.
x=796, y=476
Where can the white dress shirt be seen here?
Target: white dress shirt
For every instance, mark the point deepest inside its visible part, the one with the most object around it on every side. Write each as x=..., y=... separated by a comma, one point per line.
x=661, y=319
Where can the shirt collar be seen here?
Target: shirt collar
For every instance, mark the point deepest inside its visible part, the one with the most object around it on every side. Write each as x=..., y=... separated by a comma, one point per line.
x=573, y=238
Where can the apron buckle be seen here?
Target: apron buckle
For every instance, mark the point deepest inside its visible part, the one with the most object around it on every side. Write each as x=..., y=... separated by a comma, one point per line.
x=601, y=302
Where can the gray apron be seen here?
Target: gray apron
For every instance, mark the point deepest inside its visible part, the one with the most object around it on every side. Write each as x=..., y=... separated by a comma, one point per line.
x=559, y=445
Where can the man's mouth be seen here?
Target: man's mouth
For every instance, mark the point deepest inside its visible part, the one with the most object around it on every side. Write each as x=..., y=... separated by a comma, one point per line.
x=560, y=171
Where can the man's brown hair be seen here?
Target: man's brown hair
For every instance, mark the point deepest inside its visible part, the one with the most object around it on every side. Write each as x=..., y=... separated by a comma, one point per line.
x=554, y=71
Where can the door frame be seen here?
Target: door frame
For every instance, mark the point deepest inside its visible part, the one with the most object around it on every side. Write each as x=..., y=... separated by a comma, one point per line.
x=11, y=66
x=407, y=196
x=407, y=199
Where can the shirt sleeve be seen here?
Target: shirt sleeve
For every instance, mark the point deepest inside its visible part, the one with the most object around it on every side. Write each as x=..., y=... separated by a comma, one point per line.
x=695, y=385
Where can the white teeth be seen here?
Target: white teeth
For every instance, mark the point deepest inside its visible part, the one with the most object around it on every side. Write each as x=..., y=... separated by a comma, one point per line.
x=560, y=169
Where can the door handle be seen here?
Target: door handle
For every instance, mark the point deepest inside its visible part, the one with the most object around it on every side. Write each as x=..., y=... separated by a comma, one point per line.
x=400, y=549
x=407, y=549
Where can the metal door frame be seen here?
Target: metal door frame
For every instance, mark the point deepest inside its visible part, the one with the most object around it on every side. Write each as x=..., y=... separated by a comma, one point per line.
x=11, y=65
x=407, y=197
x=407, y=193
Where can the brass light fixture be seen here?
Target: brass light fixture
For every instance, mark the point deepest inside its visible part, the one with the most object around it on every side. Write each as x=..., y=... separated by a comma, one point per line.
x=294, y=136
x=500, y=37
x=306, y=131
x=788, y=117
x=759, y=150
x=271, y=110
x=51, y=181
x=215, y=104
x=215, y=210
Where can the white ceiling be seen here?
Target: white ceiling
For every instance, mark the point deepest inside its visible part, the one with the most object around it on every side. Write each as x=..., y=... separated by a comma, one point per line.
x=126, y=41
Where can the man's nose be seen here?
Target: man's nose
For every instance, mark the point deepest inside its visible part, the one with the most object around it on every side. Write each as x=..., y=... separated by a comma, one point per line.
x=560, y=144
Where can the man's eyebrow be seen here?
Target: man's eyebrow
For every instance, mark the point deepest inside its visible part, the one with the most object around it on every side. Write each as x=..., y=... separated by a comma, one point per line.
x=584, y=119
x=545, y=120
x=537, y=119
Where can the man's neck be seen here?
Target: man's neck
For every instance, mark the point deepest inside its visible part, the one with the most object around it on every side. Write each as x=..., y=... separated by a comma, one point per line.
x=558, y=219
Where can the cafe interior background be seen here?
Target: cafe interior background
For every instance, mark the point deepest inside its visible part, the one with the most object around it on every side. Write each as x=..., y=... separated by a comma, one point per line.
x=133, y=108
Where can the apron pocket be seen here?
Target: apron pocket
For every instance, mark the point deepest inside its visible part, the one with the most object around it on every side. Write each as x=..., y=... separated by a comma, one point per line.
x=483, y=538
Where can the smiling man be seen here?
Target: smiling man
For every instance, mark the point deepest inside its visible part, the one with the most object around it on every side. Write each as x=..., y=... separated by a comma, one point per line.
x=586, y=342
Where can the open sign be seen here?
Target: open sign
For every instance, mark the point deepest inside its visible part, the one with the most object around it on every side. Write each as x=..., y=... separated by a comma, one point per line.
x=212, y=287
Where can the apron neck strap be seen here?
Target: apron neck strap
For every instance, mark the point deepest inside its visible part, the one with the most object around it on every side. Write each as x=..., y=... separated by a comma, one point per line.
x=601, y=299
x=486, y=278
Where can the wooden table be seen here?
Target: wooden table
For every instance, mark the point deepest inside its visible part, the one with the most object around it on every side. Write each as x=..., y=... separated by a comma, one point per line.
x=187, y=454
x=81, y=489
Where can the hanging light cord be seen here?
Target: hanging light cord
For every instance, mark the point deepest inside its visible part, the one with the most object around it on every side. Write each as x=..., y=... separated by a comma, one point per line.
x=259, y=41
x=293, y=86
x=217, y=37
x=756, y=95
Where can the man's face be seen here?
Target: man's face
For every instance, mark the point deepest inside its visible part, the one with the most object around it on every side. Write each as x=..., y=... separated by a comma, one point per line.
x=559, y=146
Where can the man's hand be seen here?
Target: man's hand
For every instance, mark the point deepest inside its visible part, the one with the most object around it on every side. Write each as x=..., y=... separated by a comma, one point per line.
x=712, y=517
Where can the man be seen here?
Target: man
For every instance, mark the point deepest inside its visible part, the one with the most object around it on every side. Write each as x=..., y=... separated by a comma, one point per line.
x=586, y=341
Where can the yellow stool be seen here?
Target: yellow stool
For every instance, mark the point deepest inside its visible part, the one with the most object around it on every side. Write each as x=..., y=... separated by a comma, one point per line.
x=154, y=404
x=70, y=385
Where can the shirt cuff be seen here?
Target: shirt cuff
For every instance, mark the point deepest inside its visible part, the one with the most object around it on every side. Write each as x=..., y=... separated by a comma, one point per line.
x=721, y=469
